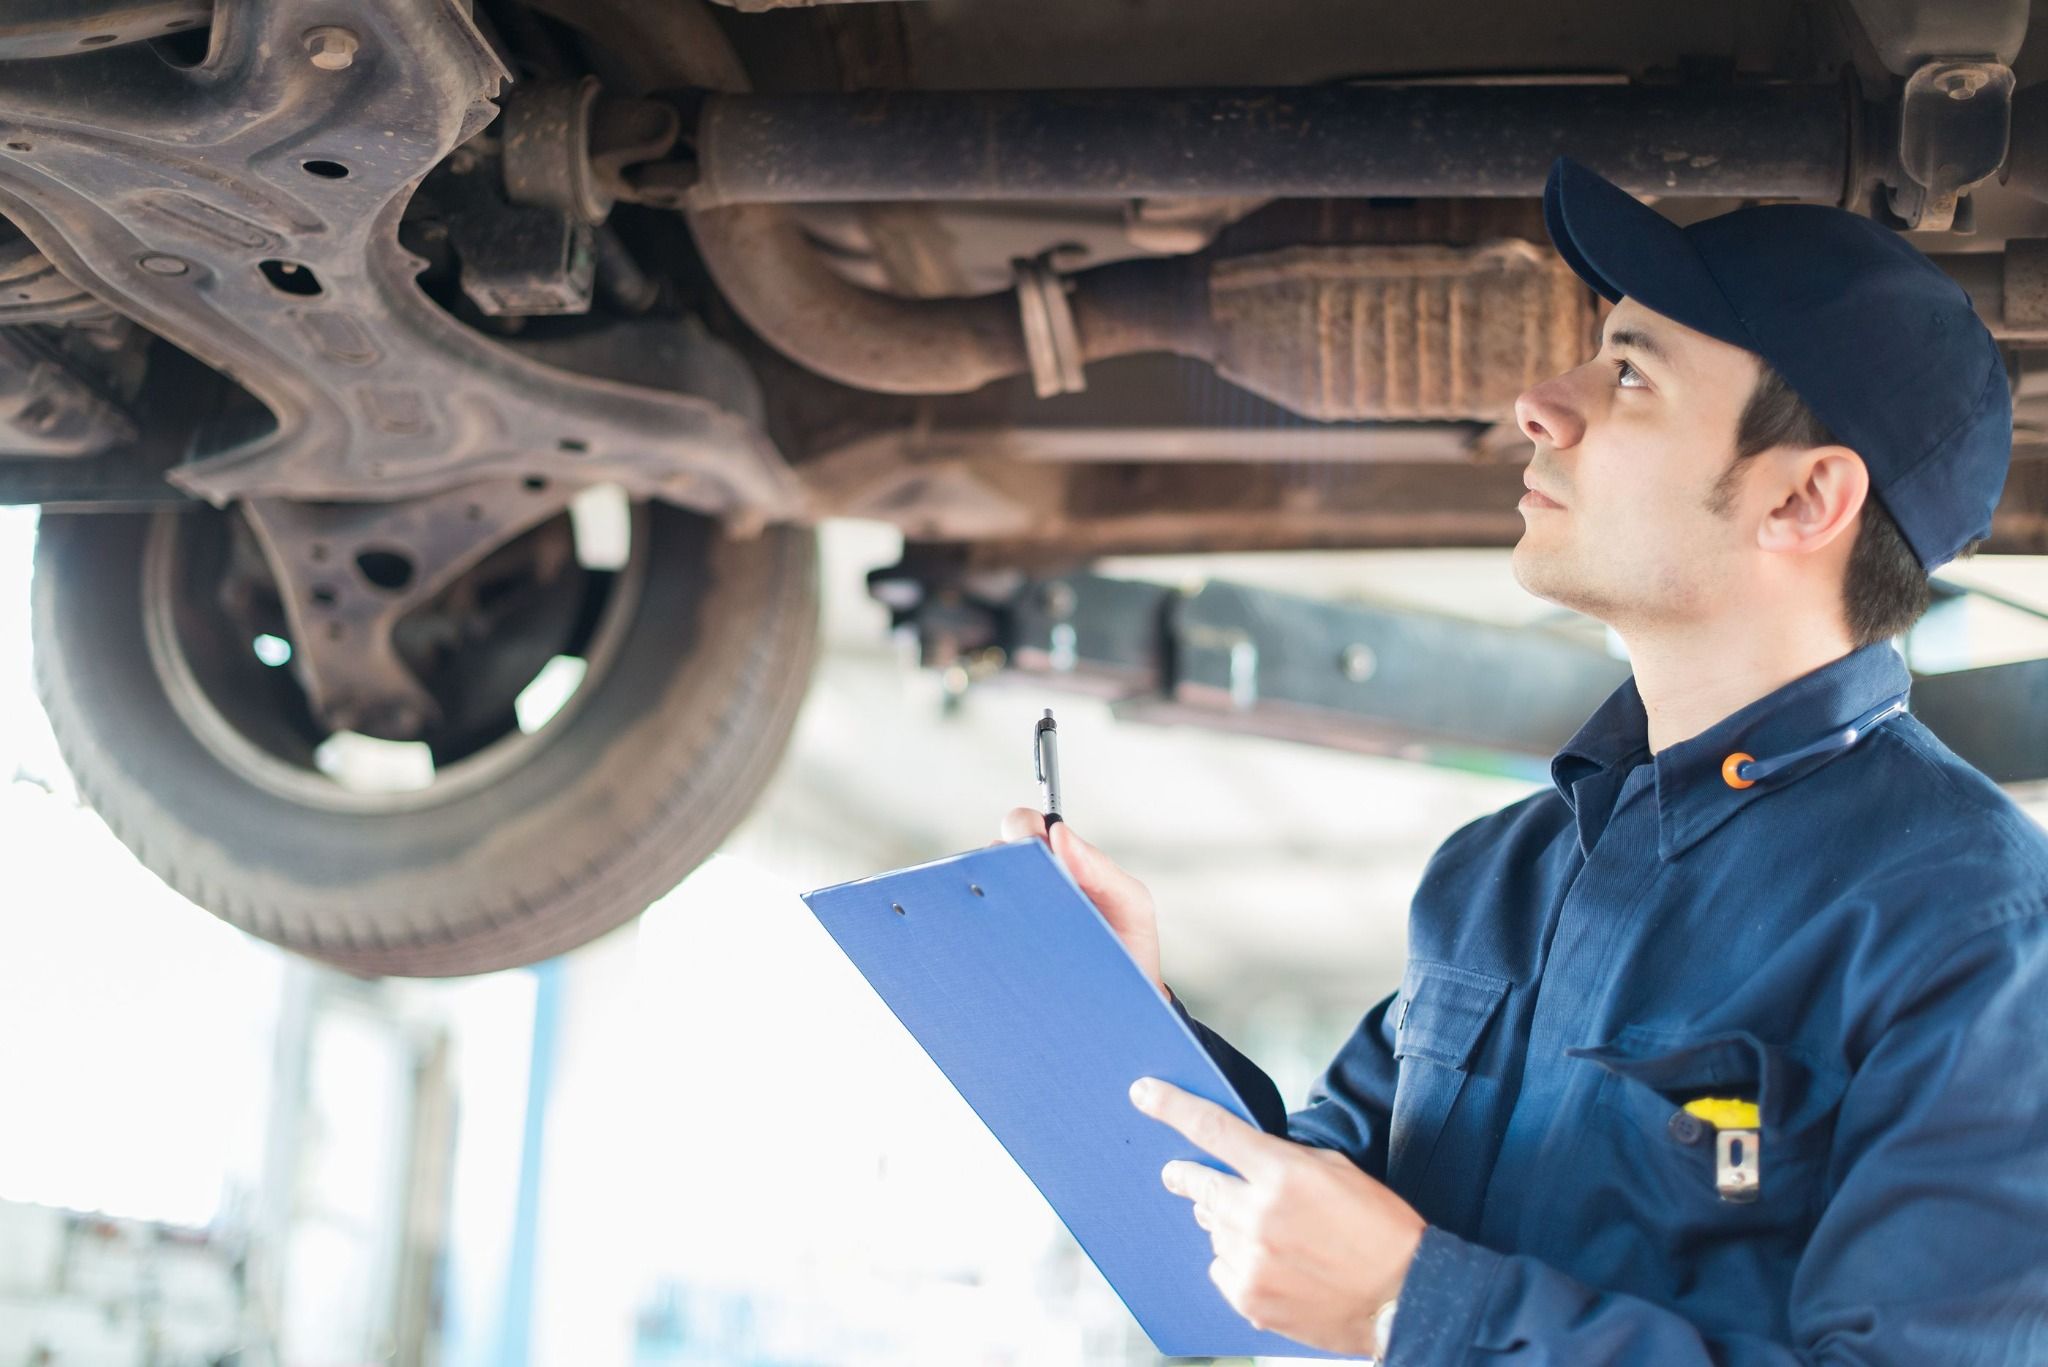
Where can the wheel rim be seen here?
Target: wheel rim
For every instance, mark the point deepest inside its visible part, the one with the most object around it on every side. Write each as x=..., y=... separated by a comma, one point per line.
x=232, y=705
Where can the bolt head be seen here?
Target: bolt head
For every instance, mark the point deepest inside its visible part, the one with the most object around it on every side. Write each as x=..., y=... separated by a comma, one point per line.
x=331, y=47
x=1961, y=85
x=158, y=264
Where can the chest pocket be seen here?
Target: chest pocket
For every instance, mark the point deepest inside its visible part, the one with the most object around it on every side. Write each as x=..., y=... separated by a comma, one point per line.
x=1439, y=1022
x=1651, y=1073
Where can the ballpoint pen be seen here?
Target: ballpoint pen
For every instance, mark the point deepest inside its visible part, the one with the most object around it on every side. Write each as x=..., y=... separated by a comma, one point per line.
x=1045, y=758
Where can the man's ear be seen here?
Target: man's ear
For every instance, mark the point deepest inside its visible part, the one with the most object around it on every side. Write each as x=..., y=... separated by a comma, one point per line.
x=1821, y=489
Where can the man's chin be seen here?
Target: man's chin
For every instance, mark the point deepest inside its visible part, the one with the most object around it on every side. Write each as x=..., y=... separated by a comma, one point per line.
x=1540, y=570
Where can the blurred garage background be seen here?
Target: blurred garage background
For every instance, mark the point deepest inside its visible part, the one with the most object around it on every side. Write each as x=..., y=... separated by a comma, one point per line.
x=702, y=1139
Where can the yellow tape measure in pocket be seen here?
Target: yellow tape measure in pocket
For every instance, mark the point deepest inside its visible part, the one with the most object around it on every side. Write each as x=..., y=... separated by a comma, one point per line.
x=1724, y=1113
x=1738, y=1145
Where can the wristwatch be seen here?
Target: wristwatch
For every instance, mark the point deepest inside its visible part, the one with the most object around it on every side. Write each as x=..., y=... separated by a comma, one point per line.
x=1383, y=1330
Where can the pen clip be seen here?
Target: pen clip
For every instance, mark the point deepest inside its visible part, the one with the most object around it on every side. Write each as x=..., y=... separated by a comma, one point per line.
x=1041, y=745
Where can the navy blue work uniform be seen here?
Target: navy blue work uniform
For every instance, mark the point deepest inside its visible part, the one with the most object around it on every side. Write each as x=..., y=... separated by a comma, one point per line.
x=1860, y=947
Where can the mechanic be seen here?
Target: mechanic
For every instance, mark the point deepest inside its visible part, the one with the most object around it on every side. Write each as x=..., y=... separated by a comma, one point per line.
x=1729, y=1046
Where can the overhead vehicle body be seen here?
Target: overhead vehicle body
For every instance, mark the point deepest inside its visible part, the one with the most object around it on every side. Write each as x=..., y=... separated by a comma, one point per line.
x=432, y=405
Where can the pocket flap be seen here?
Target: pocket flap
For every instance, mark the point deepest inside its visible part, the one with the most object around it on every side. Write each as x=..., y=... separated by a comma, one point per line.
x=1667, y=1065
x=1790, y=1090
x=1444, y=1011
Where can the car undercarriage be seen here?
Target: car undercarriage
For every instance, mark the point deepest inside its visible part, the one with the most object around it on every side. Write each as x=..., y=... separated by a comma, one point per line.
x=434, y=348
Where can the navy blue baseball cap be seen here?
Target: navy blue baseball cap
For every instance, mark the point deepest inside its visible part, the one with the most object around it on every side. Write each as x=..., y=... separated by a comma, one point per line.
x=1885, y=349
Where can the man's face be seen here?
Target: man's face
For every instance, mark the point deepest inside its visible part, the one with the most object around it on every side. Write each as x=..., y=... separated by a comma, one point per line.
x=1629, y=447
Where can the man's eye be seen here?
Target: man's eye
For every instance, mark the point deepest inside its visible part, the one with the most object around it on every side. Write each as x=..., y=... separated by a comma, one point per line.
x=1623, y=370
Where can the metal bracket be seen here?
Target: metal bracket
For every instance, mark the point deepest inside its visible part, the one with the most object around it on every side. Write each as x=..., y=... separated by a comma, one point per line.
x=515, y=259
x=248, y=210
x=347, y=572
x=1050, y=337
x=48, y=409
x=1955, y=120
x=1356, y=676
x=546, y=147
x=568, y=146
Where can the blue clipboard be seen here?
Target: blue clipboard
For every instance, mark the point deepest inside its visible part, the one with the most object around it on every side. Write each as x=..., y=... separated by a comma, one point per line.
x=1005, y=972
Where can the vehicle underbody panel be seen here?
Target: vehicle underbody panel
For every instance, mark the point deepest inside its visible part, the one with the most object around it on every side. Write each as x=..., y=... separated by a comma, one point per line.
x=386, y=302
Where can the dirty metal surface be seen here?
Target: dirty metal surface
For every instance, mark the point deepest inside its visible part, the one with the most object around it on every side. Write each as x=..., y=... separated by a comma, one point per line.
x=246, y=208
x=1765, y=139
x=1400, y=332
x=347, y=572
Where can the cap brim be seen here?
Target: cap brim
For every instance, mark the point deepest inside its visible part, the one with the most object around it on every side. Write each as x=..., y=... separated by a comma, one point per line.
x=1621, y=246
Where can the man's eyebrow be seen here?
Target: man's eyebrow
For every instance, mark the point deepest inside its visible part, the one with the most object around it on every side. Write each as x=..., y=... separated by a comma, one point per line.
x=1643, y=342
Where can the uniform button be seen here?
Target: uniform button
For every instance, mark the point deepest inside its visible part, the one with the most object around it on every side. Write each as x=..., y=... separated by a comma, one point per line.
x=1686, y=1127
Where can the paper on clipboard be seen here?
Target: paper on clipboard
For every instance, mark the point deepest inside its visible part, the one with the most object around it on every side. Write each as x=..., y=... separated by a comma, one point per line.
x=1003, y=970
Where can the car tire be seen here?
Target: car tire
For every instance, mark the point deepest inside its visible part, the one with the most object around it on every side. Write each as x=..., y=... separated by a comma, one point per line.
x=634, y=788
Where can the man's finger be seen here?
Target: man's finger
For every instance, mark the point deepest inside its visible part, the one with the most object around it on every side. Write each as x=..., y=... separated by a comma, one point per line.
x=1230, y=1280
x=1019, y=822
x=1207, y=1126
x=1220, y=1193
x=1234, y=1249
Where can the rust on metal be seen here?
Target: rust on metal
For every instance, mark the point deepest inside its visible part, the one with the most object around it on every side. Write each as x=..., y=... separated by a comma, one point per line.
x=1399, y=332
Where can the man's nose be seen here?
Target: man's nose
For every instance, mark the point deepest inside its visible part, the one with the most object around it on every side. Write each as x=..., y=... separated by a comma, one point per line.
x=1546, y=415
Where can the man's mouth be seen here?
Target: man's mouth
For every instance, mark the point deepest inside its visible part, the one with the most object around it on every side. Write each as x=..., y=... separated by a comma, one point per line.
x=1536, y=498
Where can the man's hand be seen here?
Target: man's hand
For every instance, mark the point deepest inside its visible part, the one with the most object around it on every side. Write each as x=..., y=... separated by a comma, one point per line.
x=1123, y=901
x=1306, y=1245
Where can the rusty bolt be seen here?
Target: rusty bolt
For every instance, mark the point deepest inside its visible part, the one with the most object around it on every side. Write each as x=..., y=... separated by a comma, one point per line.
x=1961, y=85
x=331, y=47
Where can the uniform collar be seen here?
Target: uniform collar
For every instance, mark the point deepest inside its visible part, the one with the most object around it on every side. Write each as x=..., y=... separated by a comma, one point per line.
x=1692, y=798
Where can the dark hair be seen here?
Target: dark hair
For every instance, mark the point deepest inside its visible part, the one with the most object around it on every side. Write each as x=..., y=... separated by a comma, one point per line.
x=1885, y=590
